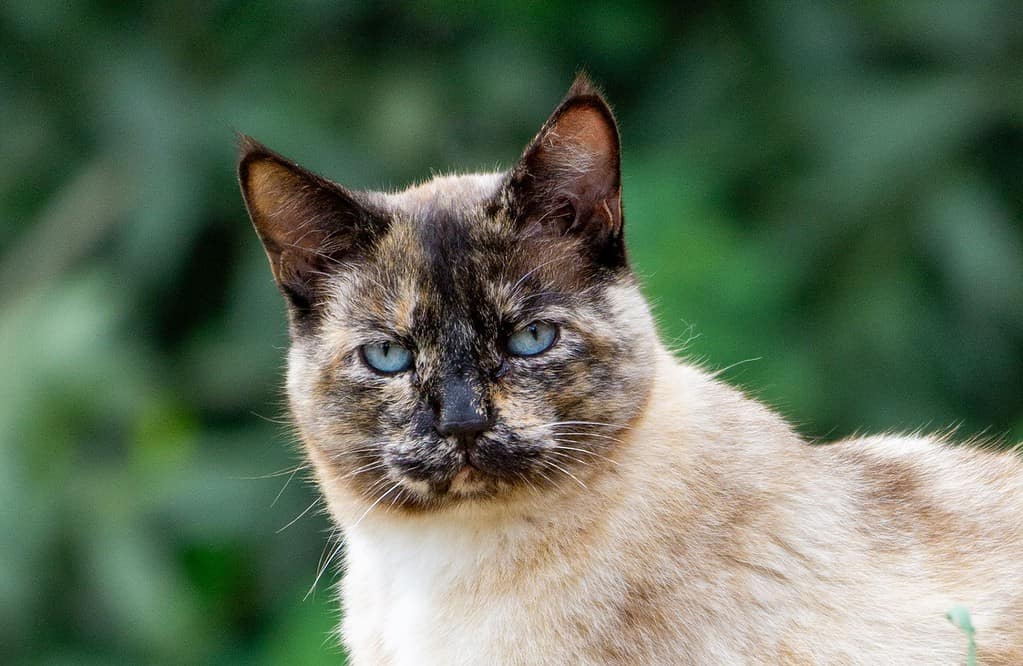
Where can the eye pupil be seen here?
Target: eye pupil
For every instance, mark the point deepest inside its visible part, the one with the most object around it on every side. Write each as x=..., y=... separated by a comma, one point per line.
x=532, y=339
x=387, y=357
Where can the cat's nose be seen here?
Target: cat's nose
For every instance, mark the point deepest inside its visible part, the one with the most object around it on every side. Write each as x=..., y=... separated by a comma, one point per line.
x=463, y=428
x=461, y=413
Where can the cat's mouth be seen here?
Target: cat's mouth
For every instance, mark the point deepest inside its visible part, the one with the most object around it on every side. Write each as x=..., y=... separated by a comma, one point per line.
x=428, y=472
x=467, y=479
x=467, y=482
x=446, y=470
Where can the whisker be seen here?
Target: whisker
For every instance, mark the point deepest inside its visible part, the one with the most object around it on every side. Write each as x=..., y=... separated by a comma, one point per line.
x=285, y=486
x=270, y=420
x=538, y=294
x=397, y=498
x=360, y=470
x=515, y=287
x=299, y=516
x=589, y=434
x=532, y=487
x=736, y=364
x=559, y=446
x=334, y=532
x=358, y=449
x=566, y=456
x=360, y=452
x=547, y=478
x=373, y=505
x=574, y=477
x=280, y=472
x=382, y=481
x=561, y=423
x=334, y=552
x=576, y=294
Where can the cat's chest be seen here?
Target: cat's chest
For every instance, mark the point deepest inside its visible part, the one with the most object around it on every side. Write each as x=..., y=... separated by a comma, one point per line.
x=437, y=598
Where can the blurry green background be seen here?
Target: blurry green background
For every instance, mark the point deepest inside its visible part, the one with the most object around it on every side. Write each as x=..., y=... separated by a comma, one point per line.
x=828, y=195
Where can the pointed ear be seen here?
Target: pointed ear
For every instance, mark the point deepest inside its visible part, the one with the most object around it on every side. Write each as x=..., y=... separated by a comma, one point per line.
x=568, y=180
x=308, y=225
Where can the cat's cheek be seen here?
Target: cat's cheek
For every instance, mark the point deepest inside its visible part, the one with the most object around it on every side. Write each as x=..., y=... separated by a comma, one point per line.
x=522, y=411
x=521, y=401
x=397, y=401
x=302, y=397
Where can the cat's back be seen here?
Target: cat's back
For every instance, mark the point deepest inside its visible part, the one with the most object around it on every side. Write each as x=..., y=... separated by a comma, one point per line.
x=936, y=478
x=945, y=516
x=960, y=504
x=868, y=541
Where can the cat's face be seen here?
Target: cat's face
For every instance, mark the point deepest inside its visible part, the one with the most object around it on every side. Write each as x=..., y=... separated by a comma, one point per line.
x=467, y=338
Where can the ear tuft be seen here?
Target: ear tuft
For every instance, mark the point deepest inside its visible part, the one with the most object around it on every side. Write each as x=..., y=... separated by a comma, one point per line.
x=583, y=86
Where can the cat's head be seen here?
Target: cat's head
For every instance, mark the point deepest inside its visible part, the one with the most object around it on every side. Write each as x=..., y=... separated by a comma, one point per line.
x=470, y=337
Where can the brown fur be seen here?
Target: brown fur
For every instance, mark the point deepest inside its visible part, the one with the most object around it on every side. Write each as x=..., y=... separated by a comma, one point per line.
x=617, y=506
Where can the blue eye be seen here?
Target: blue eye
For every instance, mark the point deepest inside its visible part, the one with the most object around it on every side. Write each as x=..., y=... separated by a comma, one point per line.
x=533, y=339
x=387, y=357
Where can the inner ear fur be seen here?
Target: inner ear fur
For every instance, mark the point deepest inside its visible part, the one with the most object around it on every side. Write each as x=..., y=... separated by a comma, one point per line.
x=308, y=225
x=568, y=180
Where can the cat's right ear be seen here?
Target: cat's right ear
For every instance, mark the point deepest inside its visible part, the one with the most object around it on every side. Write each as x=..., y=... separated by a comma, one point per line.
x=309, y=226
x=568, y=181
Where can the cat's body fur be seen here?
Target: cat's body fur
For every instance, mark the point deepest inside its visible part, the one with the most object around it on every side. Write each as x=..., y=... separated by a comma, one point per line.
x=717, y=545
x=693, y=527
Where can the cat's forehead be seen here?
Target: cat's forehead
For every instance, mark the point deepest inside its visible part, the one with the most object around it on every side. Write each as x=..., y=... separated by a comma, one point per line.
x=448, y=195
x=450, y=258
x=442, y=227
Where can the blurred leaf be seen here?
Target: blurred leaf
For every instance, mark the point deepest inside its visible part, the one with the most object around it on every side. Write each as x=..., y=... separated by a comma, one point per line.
x=960, y=617
x=827, y=199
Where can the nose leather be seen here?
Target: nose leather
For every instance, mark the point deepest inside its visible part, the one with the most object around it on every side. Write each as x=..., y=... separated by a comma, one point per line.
x=462, y=413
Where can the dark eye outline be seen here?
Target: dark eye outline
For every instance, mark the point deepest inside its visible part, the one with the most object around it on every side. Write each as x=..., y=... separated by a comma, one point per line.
x=386, y=373
x=554, y=340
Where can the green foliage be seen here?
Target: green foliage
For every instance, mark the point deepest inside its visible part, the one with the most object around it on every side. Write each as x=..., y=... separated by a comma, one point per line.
x=833, y=189
x=960, y=617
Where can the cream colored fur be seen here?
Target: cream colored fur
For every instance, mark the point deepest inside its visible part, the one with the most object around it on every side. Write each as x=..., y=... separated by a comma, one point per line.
x=716, y=536
x=700, y=530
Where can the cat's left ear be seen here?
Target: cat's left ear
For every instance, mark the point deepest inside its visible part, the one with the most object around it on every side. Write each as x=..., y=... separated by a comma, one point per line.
x=568, y=180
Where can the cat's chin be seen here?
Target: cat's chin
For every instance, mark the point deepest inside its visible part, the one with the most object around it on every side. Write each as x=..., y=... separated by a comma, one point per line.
x=467, y=483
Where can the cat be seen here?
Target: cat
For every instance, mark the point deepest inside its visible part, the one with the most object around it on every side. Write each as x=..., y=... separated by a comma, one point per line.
x=523, y=473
